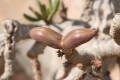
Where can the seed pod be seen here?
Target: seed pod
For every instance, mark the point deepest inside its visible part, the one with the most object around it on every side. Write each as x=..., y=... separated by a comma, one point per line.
x=46, y=36
x=77, y=37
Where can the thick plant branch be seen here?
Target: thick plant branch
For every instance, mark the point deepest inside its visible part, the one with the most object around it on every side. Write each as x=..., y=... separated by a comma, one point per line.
x=100, y=49
x=9, y=54
x=36, y=68
x=2, y=44
x=79, y=58
x=33, y=55
x=75, y=73
x=36, y=49
x=95, y=49
x=115, y=28
x=23, y=31
x=14, y=31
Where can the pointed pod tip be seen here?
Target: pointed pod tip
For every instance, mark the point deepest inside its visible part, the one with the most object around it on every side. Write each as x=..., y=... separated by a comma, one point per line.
x=77, y=37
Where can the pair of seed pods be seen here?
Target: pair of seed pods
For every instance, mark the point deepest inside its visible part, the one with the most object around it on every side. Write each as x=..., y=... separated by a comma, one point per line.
x=55, y=40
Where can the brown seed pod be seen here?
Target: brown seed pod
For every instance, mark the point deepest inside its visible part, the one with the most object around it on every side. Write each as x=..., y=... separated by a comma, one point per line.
x=46, y=36
x=77, y=37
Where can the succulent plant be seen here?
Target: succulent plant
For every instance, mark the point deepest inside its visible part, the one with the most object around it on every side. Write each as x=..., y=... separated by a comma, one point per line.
x=53, y=39
x=46, y=13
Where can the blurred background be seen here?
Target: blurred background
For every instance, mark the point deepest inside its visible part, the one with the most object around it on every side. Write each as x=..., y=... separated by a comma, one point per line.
x=14, y=9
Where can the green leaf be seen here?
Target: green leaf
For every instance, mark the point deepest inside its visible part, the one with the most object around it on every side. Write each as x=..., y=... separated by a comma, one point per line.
x=54, y=10
x=49, y=18
x=50, y=3
x=55, y=7
x=45, y=9
x=41, y=7
x=36, y=13
x=31, y=18
x=48, y=11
